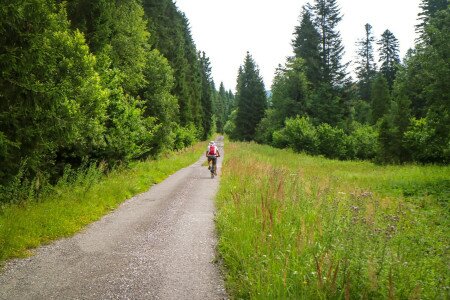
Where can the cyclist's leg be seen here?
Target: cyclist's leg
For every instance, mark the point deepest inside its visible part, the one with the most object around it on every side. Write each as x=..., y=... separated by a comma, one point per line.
x=215, y=165
x=210, y=162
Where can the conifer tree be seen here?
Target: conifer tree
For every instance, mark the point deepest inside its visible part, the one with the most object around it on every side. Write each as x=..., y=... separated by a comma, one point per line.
x=290, y=91
x=429, y=9
x=327, y=17
x=52, y=104
x=380, y=98
x=389, y=56
x=366, y=68
x=170, y=34
x=206, y=97
x=221, y=107
x=306, y=45
x=117, y=30
x=251, y=100
x=392, y=129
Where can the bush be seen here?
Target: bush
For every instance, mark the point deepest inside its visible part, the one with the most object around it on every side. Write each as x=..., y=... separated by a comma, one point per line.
x=184, y=136
x=230, y=125
x=298, y=134
x=268, y=125
x=364, y=141
x=424, y=144
x=332, y=142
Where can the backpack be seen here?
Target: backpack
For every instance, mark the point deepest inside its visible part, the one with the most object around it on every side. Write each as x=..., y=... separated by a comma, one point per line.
x=212, y=150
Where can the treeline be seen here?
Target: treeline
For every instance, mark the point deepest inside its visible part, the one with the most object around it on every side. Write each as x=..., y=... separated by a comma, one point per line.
x=88, y=81
x=394, y=112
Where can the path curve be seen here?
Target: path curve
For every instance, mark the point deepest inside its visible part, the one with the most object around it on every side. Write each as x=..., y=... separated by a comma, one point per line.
x=157, y=245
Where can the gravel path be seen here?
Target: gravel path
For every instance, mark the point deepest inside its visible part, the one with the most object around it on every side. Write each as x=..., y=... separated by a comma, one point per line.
x=157, y=245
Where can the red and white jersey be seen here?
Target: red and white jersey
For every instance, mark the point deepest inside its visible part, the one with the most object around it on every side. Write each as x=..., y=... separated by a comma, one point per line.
x=212, y=150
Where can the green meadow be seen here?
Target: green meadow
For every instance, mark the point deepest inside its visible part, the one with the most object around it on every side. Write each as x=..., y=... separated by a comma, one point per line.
x=293, y=226
x=80, y=198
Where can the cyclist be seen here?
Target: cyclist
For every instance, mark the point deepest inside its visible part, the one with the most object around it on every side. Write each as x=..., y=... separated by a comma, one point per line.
x=212, y=153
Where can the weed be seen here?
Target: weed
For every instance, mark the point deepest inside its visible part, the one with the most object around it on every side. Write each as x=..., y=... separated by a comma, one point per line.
x=300, y=227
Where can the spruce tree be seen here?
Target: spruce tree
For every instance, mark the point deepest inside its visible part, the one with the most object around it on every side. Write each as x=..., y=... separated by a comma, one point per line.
x=117, y=30
x=327, y=17
x=429, y=9
x=366, y=68
x=389, y=56
x=52, y=103
x=251, y=100
x=380, y=98
x=306, y=45
x=206, y=97
x=221, y=107
x=290, y=91
x=392, y=130
x=170, y=34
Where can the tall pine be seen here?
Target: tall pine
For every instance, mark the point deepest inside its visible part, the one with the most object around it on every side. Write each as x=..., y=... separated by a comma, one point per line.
x=327, y=17
x=366, y=67
x=251, y=100
x=170, y=34
x=206, y=97
x=380, y=98
x=389, y=56
x=306, y=45
x=429, y=9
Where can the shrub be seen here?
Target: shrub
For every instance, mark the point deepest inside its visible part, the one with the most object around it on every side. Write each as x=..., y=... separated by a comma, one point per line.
x=364, y=141
x=184, y=136
x=298, y=134
x=332, y=141
x=268, y=125
x=424, y=144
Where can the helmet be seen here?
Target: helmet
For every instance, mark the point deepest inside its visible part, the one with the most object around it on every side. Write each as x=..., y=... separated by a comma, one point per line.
x=211, y=143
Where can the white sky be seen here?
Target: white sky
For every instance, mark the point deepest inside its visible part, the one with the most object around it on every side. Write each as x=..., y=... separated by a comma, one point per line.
x=227, y=29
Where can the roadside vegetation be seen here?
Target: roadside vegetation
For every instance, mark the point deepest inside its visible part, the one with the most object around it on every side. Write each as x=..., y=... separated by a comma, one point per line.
x=79, y=198
x=293, y=226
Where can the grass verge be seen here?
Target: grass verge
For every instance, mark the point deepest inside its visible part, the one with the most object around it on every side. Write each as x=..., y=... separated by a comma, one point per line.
x=292, y=226
x=72, y=204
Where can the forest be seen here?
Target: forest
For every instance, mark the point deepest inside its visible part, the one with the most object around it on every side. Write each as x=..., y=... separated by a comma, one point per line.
x=96, y=82
x=395, y=111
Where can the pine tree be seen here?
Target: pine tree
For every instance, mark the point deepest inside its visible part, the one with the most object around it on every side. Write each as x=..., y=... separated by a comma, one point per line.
x=206, y=98
x=118, y=30
x=251, y=100
x=389, y=56
x=380, y=98
x=392, y=130
x=221, y=108
x=366, y=68
x=429, y=9
x=52, y=104
x=290, y=91
x=327, y=17
x=170, y=34
x=306, y=45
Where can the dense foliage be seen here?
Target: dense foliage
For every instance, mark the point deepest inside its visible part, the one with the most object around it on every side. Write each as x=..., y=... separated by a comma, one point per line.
x=394, y=113
x=97, y=81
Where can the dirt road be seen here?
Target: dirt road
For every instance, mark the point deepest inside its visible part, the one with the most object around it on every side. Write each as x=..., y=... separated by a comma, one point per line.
x=157, y=245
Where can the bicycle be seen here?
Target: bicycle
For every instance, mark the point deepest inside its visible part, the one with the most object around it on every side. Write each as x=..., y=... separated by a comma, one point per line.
x=212, y=165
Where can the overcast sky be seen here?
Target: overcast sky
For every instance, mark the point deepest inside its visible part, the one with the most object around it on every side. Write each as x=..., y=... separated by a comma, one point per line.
x=227, y=29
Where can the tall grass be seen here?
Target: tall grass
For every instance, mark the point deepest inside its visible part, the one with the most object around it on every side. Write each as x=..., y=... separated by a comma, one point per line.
x=292, y=226
x=79, y=199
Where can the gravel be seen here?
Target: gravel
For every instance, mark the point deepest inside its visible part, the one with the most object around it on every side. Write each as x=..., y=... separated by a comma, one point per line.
x=157, y=245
